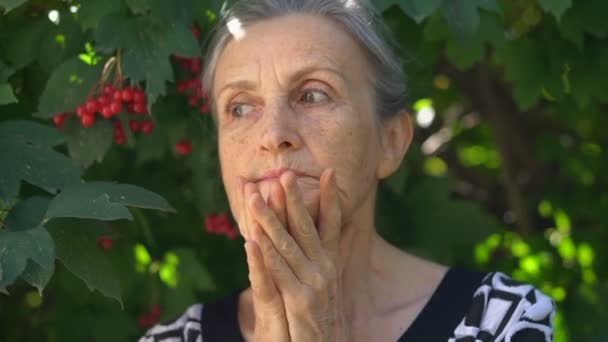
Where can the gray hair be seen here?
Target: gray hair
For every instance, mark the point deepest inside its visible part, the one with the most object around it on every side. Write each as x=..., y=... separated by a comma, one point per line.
x=356, y=16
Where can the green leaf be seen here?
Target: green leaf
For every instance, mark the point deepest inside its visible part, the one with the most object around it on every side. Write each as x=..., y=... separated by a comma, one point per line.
x=555, y=7
x=463, y=15
x=17, y=248
x=68, y=87
x=22, y=46
x=148, y=45
x=466, y=221
x=191, y=277
x=420, y=9
x=103, y=201
x=27, y=154
x=9, y=5
x=6, y=94
x=60, y=42
x=464, y=52
x=525, y=67
x=587, y=16
x=383, y=5
x=77, y=249
x=27, y=214
x=139, y=6
x=37, y=276
x=177, y=11
x=5, y=71
x=91, y=11
x=88, y=145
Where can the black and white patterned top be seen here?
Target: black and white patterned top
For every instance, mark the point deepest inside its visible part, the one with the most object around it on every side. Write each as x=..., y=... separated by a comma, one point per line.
x=465, y=307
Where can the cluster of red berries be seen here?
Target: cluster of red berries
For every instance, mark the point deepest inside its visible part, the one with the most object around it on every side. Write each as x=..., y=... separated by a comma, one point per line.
x=192, y=86
x=149, y=319
x=105, y=243
x=220, y=224
x=183, y=147
x=109, y=104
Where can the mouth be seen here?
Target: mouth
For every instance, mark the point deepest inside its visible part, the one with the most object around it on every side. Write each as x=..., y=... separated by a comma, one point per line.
x=276, y=173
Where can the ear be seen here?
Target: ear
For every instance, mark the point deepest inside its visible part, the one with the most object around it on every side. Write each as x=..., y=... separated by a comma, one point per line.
x=396, y=136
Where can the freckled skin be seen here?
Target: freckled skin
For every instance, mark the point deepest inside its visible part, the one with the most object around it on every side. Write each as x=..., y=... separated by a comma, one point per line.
x=277, y=126
x=277, y=130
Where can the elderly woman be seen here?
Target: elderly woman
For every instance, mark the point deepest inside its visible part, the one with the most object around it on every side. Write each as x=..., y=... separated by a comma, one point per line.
x=310, y=111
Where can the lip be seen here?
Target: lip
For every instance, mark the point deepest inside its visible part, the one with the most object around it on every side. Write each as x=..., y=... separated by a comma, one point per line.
x=276, y=173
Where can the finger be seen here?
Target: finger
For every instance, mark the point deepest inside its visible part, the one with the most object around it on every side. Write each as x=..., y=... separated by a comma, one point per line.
x=277, y=202
x=282, y=274
x=267, y=302
x=282, y=242
x=240, y=202
x=301, y=224
x=248, y=189
x=330, y=214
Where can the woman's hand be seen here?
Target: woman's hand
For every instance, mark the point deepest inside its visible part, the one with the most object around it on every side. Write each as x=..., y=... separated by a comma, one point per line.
x=269, y=309
x=303, y=263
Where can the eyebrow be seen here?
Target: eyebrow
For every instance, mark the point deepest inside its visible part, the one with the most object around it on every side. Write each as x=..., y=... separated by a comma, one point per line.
x=250, y=85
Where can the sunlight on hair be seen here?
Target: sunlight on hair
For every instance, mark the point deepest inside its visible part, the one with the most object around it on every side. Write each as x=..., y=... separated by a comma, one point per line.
x=350, y=3
x=236, y=29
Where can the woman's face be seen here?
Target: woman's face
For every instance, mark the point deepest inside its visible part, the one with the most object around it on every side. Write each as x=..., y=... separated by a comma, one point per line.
x=293, y=93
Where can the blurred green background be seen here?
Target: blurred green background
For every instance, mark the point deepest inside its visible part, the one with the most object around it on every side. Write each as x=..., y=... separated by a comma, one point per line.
x=506, y=173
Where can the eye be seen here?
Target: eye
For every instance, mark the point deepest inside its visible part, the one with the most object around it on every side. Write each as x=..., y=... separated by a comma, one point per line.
x=312, y=96
x=238, y=110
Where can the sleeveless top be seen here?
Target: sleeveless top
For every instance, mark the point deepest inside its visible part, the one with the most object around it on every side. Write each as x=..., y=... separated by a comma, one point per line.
x=466, y=307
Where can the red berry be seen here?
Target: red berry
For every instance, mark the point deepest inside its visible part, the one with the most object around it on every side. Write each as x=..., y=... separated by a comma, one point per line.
x=116, y=107
x=87, y=120
x=144, y=321
x=205, y=108
x=103, y=100
x=107, y=112
x=140, y=108
x=196, y=32
x=109, y=89
x=59, y=119
x=195, y=66
x=193, y=101
x=156, y=310
x=147, y=127
x=139, y=96
x=192, y=83
x=118, y=126
x=81, y=110
x=135, y=126
x=127, y=94
x=119, y=134
x=120, y=139
x=183, y=147
x=105, y=243
x=92, y=106
x=117, y=97
x=182, y=86
x=220, y=224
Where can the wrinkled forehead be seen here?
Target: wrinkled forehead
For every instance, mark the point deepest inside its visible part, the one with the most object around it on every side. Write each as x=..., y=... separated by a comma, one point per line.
x=287, y=45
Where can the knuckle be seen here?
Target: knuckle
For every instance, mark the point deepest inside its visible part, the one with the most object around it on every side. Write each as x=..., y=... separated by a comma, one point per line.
x=318, y=281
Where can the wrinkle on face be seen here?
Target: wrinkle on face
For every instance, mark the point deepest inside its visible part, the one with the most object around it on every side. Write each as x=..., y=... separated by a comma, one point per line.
x=271, y=64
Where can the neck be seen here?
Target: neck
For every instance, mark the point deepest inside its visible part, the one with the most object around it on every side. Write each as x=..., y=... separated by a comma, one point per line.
x=367, y=263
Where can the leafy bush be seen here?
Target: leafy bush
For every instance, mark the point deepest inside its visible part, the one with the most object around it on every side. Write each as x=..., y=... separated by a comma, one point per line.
x=506, y=171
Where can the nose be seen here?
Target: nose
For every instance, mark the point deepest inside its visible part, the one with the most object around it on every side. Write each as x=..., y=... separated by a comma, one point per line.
x=279, y=132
